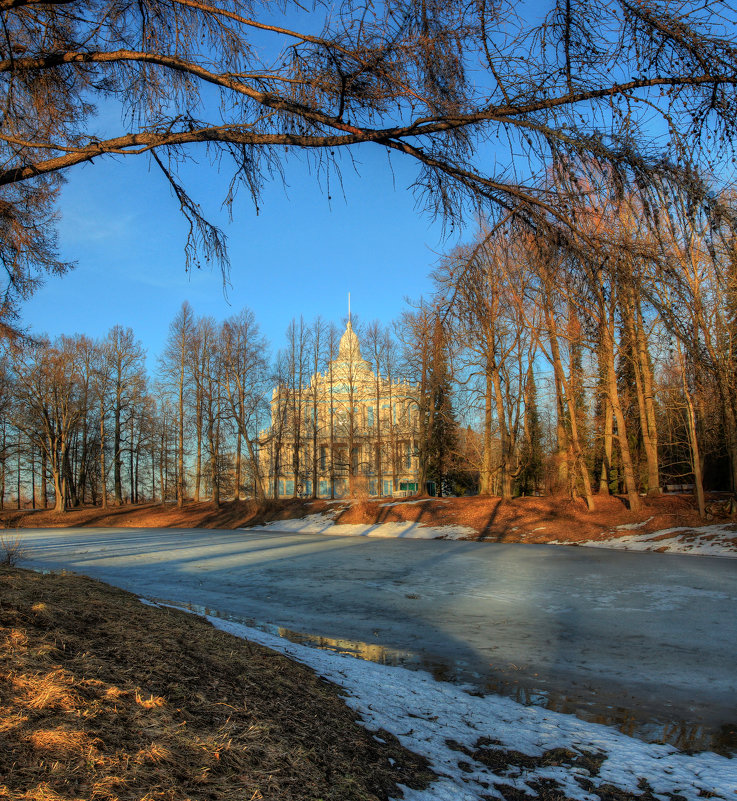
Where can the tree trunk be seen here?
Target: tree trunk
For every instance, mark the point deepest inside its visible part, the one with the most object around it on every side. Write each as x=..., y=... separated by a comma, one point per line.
x=313, y=494
x=180, y=449
x=57, y=470
x=377, y=422
x=693, y=440
x=44, y=487
x=239, y=444
x=130, y=466
x=17, y=487
x=567, y=402
x=117, y=477
x=485, y=479
x=643, y=389
x=608, y=435
x=198, y=462
x=103, y=467
x=613, y=394
x=162, y=447
x=332, y=427
x=258, y=484
x=505, y=477
x=33, y=475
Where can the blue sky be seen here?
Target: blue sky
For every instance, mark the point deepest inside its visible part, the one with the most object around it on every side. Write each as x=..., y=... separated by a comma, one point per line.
x=301, y=254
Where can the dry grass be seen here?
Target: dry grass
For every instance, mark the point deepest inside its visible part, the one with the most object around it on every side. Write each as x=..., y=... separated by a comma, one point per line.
x=104, y=698
x=12, y=549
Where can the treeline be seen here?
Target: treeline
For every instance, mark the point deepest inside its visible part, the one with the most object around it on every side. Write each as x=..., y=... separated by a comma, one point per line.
x=635, y=324
x=82, y=421
x=85, y=422
x=540, y=366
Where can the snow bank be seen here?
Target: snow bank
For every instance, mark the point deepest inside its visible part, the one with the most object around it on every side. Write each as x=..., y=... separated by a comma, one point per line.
x=447, y=724
x=718, y=540
x=707, y=541
x=324, y=524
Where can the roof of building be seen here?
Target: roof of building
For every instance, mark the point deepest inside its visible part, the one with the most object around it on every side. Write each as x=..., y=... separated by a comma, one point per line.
x=349, y=350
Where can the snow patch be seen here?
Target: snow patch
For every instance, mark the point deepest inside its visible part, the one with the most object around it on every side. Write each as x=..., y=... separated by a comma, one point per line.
x=718, y=540
x=324, y=524
x=632, y=526
x=446, y=724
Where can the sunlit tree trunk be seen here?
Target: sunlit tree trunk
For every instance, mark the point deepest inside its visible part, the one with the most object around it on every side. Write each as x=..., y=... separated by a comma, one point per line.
x=693, y=439
x=607, y=436
x=44, y=487
x=486, y=474
x=575, y=464
x=643, y=387
x=607, y=347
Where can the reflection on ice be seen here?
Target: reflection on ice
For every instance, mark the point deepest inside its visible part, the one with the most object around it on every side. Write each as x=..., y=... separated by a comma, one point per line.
x=684, y=735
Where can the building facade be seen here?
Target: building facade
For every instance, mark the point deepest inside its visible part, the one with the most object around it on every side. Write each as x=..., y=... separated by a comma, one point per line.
x=349, y=432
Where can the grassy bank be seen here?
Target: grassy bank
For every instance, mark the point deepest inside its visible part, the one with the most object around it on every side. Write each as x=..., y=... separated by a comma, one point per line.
x=103, y=697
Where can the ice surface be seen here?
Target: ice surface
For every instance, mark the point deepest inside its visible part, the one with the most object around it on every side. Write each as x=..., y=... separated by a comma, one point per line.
x=654, y=634
x=437, y=719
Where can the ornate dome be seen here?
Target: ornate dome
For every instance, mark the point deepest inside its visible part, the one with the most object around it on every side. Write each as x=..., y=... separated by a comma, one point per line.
x=349, y=350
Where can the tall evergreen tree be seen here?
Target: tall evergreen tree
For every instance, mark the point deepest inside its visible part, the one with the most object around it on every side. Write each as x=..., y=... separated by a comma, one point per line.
x=442, y=431
x=531, y=452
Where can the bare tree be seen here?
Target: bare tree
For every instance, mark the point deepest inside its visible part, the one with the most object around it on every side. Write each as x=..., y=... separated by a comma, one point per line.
x=175, y=363
x=496, y=344
x=425, y=346
x=296, y=356
x=128, y=378
x=47, y=403
x=694, y=288
x=378, y=339
x=317, y=334
x=244, y=354
x=332, y=354
x=5, y=412
x=211, y=383
x=571, y=79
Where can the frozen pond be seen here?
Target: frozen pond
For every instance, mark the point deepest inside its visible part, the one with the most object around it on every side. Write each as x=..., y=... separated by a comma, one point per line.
x=636, y=639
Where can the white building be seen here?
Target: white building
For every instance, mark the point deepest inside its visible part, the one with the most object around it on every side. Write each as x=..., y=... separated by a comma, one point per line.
x=349, y=432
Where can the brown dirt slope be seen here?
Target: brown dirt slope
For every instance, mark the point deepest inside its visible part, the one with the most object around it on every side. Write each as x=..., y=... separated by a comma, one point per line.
x=493, y=520
x=537, y=520
x=103, y=697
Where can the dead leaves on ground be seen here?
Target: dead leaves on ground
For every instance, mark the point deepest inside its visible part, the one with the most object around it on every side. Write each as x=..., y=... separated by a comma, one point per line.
x=104, y=698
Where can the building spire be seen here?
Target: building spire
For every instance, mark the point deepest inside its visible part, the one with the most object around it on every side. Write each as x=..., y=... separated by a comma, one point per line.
x=349, y=308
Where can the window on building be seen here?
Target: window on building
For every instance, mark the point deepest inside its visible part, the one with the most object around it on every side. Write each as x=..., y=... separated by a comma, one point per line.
x=370, y=416
x=323, y=457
